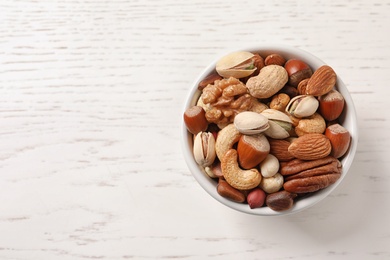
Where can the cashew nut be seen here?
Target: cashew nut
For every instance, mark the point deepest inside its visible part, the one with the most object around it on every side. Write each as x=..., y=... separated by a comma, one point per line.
x=235, y=176
x=272, y=184
x=227, y=137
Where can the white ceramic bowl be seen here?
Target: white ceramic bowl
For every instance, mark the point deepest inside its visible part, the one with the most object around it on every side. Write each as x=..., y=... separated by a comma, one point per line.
x=348, y=120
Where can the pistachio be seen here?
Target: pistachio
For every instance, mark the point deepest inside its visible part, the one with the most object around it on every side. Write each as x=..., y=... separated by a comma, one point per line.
x=250, y=123
x=238, y=64
x=279, y=124
x=302, y=106
x=204, y=149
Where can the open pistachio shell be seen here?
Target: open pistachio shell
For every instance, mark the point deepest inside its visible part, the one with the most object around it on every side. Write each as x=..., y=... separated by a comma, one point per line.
x=276, y=115
x=251, y=123
x=204, y=149
x=238, y=64
x=276, y=131
x=280, y=124
x=302, y=106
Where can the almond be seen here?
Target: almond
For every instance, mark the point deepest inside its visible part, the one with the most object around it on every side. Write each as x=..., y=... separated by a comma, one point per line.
x=279, y=148
x=310, y=147
x=322, y=81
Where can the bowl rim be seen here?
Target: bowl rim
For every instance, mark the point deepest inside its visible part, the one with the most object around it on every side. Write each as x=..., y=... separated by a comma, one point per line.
x=305, y=202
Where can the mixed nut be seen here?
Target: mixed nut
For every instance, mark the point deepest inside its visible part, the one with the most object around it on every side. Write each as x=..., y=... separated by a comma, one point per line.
x=267, y=130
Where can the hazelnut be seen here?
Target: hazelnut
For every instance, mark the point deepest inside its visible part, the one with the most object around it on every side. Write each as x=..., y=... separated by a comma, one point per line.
x=331, y=105
x=195, y=119
x=339, y=139
x=252, y=149
x=274, y=59
x=297, y=71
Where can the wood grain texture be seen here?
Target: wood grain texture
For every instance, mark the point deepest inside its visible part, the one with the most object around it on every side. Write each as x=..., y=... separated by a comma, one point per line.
x=91, y=103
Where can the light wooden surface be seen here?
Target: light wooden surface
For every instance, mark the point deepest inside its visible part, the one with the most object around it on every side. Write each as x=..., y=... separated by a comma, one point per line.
x=90, y=114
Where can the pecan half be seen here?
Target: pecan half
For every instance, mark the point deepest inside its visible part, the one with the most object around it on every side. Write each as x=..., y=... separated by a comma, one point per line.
x=333, y=167
x=298, y=165
x=311, y=184
x=309, y=176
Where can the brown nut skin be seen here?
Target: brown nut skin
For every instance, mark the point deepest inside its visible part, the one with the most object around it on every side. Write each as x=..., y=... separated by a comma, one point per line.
x=274, y=59
x=311, y=184
x=281, y=200
x=302, y=87
x=297, y=71
x=296, y=166
x=258, y=62
x=322, y=81
x=195, y=119
x=310, y=147
x=340, y=139
x=290, y=91
x=225, y=190
x=209, y=80
x=333, y=167
x=302, y=176
x=279, y=148
x=214, y=170
x=331, y=105
x=256, y=198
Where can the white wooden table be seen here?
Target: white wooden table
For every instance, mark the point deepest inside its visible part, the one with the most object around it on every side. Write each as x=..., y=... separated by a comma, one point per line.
x=90, y=115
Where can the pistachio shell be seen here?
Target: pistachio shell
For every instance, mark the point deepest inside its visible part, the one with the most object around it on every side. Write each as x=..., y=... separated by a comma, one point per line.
x=280, y=124
x=236, y=64
x=276, y=131
x=204, y=149
x=302, y=106
x=250, y=123
x=274, y=114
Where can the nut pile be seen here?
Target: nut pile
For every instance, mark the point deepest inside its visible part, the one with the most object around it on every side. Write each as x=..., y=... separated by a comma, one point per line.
x=266, y=129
